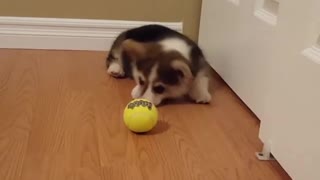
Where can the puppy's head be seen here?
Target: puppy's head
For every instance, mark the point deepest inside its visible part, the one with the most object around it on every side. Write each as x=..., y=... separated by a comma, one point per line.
x=158, y=74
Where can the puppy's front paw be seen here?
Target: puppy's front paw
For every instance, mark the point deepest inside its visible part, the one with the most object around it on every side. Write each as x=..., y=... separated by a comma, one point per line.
x=201, y=98
x=136, y=92
x=116, y=70
x=205, y=98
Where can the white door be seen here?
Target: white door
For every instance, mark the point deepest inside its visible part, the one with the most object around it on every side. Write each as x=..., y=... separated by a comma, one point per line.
x=268, y=51
x=238, y=44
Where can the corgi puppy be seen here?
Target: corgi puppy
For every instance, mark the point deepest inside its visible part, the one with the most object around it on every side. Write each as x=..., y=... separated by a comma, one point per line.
x=164, y=63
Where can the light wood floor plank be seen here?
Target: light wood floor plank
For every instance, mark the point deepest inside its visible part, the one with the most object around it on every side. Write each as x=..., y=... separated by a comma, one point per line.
x=61, y=119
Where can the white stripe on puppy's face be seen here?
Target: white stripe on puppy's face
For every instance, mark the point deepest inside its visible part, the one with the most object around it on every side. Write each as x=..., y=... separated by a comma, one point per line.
x=149, y=94
x=140, y=80
x=144, y=86
x=175, y=44
x=161, y=84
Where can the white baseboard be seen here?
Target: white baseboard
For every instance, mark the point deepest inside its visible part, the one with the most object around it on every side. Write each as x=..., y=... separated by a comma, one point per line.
x=65, y=34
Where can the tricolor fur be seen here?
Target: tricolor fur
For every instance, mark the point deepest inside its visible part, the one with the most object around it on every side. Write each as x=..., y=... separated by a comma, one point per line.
x=164, y=64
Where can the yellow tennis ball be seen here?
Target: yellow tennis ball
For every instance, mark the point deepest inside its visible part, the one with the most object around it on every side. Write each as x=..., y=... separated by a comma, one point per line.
x=140, y=115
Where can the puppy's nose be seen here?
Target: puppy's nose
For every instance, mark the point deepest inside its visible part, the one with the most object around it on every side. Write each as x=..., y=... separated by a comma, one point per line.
x=152, y=100
x=156, y=102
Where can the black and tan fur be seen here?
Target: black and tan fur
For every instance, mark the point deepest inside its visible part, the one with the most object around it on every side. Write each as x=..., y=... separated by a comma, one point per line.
x=164, y=63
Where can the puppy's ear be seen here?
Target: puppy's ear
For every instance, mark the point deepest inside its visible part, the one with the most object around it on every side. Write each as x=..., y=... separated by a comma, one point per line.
x=182, y=68
x=135, y=50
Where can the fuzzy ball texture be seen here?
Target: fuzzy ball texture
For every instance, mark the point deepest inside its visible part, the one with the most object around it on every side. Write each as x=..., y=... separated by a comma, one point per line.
x=140, y=115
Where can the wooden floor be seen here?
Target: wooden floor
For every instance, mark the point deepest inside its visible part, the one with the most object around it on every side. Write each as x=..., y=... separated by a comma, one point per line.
x=61, y=119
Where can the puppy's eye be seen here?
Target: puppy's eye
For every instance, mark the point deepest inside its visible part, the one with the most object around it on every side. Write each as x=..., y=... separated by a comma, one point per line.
x=158, y=89
x=141, y=82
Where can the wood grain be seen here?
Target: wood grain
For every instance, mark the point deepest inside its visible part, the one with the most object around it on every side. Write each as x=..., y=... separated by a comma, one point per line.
x=61, y=119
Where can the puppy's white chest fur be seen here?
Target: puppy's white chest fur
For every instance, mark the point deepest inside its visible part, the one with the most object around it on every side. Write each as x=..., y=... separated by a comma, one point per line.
x=175, y=44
